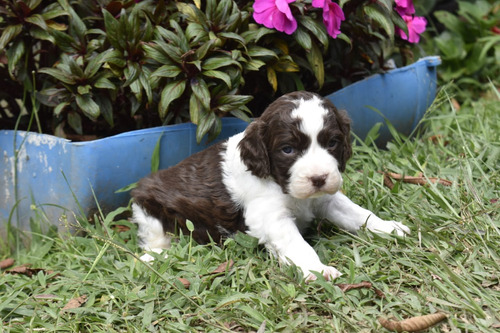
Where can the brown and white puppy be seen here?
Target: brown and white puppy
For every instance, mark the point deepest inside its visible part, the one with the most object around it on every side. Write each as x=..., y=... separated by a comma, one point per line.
x=269, y=181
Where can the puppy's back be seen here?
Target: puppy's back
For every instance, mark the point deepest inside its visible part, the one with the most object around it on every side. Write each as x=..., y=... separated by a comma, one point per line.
x=192, y=190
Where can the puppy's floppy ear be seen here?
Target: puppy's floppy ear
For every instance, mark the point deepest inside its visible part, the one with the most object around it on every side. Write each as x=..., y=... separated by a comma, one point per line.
x=345, y=126
x=253, y=150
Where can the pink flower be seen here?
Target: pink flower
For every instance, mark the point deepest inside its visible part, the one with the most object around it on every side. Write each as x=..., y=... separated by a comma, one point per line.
x=416, y=26
x=275, y=14
x=332, y=16
x=404, y=7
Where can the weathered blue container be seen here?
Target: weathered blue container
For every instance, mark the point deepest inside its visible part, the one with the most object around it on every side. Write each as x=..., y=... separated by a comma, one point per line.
x=402, y=95
x=57, y=176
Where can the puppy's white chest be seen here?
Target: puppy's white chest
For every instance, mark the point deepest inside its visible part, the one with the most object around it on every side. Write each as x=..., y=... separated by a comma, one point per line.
x=303, y=212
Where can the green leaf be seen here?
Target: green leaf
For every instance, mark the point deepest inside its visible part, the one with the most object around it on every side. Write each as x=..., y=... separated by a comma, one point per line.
x=195, y=109
x=218, y=75
x=96, y=62
x=155, y=157
x=399, y=22
x=450, y=21
x=41, y=34
x=170, y=71
x=59, y=75
x=254, y=65
x=171, y=92
x=202, y=51
x=75, y=122
x=154, y=52
x=255, y=35
x=59, y=108
x=82, y=90
x=104, y=83
x=195, y=32
x=272, y=78
x=88, y=106
x=146, y=84
x=382, y=17
x=345, y=38
x=207, y=121
x=218, y=62
x=287, y=65
x=233, y=36
x=200, y=89
x=234, y=100
x=131, y=72
x=106, y=108
x=246, y=240
x=127, y=188
x=168, y=35
x=452, y=46
x=112, y=27
x=64, y=41
x=241, y=113
x=303, y=39
x=15, y=54
x=51, y=14
x=315, y=59
x=258, y=51
x=182, y=41
x=315, y=28
x=173, y=52
x=192, y=13
x=9, y=33
x=189, y=226
x=38, y=20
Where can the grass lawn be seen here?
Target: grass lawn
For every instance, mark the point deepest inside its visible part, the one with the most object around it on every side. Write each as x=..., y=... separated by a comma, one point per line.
x=450, y=263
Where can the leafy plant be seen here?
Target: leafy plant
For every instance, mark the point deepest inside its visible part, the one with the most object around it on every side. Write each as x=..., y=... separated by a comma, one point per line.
x=470, y=45
x=101, y=67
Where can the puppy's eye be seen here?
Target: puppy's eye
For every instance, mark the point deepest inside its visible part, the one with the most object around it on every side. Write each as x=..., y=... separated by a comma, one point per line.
x=287, y=150
x=333, y=143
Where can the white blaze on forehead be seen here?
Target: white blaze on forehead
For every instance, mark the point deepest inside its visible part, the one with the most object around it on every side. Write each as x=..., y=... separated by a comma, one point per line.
x=311, y=113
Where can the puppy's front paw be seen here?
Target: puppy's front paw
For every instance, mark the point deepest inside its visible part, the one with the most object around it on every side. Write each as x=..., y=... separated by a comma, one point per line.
x=149, y=258
x=381, y=226
x=329, y=273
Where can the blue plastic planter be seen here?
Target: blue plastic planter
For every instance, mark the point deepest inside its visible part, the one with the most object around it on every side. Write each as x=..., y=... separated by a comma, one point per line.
x=58, y=176
x=401, y=95
x=54, y=173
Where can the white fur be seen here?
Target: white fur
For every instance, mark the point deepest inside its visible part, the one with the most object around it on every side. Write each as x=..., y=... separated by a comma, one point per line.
x=316, y=161
x=150, y=233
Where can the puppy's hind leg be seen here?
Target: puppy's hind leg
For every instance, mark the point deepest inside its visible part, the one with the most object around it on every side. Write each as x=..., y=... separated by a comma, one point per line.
x=150, y=232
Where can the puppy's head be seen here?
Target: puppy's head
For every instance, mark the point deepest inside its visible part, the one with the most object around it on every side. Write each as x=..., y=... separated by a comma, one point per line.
x=302, y=142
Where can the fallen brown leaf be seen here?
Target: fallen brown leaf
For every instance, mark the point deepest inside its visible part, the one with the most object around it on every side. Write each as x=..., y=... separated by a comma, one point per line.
x=75, y=303
x=25, y=269
x=455, y=104
x=420, y=180
x=185, y=282
x=413, y=324
x=222, y=267
x=121, y=228
x=388, y=181
x=6, y=263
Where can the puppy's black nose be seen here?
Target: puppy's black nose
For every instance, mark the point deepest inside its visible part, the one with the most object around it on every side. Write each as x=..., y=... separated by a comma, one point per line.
x=318, y=181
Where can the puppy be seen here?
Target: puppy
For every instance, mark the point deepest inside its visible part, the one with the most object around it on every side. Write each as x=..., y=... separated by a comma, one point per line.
x=269, y=181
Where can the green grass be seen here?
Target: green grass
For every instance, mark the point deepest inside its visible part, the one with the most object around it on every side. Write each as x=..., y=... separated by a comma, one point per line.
x=449, y=263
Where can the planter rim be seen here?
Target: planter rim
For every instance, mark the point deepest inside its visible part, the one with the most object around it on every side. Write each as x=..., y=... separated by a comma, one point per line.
x=429, y=61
